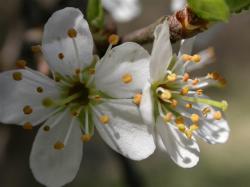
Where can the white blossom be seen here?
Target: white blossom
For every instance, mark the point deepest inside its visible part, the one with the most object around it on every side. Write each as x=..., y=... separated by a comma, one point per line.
x=86, y=93
x=123, y=10
x=174, y=105
x=177, y=5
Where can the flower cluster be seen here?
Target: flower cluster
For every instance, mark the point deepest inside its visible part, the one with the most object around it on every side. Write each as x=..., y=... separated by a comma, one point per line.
x=135, y=101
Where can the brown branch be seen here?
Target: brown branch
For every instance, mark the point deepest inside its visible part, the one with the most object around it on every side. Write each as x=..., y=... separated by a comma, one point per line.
x=183, y=24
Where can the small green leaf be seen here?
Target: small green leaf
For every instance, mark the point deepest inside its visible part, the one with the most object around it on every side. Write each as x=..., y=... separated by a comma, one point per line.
x=210, y=10
x=238, y=5
x=95, y=13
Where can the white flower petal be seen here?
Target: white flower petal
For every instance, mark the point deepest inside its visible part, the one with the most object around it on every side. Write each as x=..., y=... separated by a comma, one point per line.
x=123, y=10
x=53, y=167
x=77, y=51
x=127, y=59
x=15, y=95
x=183, y=151
x=125, y=131
x=161, y=52
x=147, y=106
x=177, y=5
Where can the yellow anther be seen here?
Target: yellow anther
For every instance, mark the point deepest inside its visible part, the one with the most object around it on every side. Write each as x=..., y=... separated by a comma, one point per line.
x=174, y=102
x=60, y=56
x=188, y=105
x=168, y=117
x=137, y=98
x=39, y=89
x=127, y=78
x=222, y=81
x=186, y=57
x=72, y=33
x=199, y=91
x=172, y=77
x=97, y=97
x=196, y=58
x=185, y=77
x=189, y=133
x=58, y=145
x=113, y=39
x=21, y=64
x=166, y=95
x=27, y=126
x=27, y=110
x=195, y=82
x=36, y=49
x=195, y=118
x=46, y=128
x=214, y=75
x=184, y=91
x=181, y=127
x=194, y=127
x=205, y=111
x=86, y=138
x=91, y=71
x=217, y=115
x=17, y=76
x=179, y=120
x=104, y=119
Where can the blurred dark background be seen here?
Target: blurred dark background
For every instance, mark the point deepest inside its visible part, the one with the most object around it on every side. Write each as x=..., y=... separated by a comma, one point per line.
x=224, y=165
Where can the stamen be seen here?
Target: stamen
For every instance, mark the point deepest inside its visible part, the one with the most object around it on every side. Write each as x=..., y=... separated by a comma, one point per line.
x=199, y=91
x=181, y=127
x=172, y=77
x=36, y=49
x=113, y=39
x=166, y=95
x=223, y=104
x=186, y=57
x=17, y=76
x=46, y=128
x=72, y=33
x=21, y=64
x=39, y=89
x=194, y=127
x=27, y=126
x=195, y=118
x=104, y=119
x=174, y=103
x=58, y=145
x=195, y=81
x=60, y=56
x=184, y=91
x=168, y=117
x=86, y=138
x=185, y=77
x=189, y=105
x=217, y=115
x=91, y=71
x=137, y=98
x=179, y=120
x=213, y=75
x=196, y=58
x=27, y=110
x=189, y=133
x=127, y=78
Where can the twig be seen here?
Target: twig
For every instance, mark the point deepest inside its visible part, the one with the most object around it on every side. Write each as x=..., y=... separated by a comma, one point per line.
x=183, y=24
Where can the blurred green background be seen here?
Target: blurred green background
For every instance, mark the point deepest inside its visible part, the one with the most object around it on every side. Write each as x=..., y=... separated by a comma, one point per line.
x=226, y=165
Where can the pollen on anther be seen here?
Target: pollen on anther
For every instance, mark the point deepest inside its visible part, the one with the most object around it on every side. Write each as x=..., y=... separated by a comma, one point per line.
x=113, y=39
x=188, y=105
x=27, y=110
x=199, y=91
x=189, y=134
x=168, y=117
x=72, y=33
x=195, y=82
x=205, y=111
x=86, y=138
x=17, y=76
x=60, y=56
x=137, y=98
x=58, y=145
x=27, y=126
x=104, y=119
x=174, y=102
x=21, y=64
x=196, y=58
x=179, y=120
x=181, y=127
x=39, y=89
x=184, y=91
x=46, y=128
x=127, y=78
x=186, y=57
x=185, y=77
x=194, y=127
x=195, y=118
x=217, y=115
x=172, y=77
